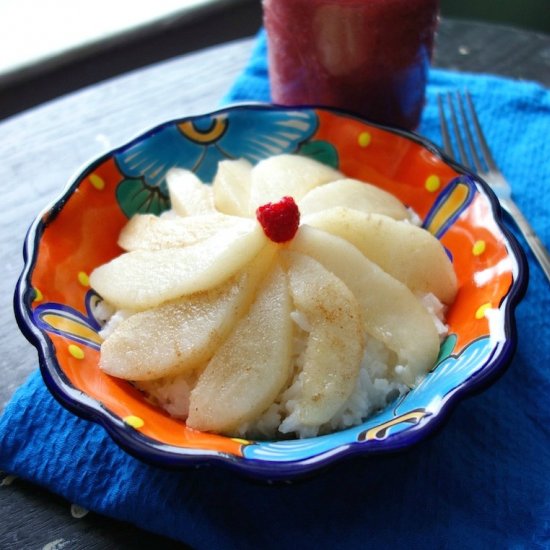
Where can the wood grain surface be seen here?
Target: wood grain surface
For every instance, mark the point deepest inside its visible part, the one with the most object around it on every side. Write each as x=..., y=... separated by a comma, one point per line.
x=42, y=148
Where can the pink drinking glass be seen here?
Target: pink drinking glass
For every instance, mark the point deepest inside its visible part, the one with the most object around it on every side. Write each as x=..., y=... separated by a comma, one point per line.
x=370, y=57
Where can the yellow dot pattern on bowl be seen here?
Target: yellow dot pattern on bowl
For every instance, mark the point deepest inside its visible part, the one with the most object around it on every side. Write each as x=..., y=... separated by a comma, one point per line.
x=83, y=278
x=241, y=441
x=364, y=139
x=38, y=296
x=432, y=183
x=97, y=182
x=480, y=312
x=479, y=248
x=76, y=351
x=134, y=421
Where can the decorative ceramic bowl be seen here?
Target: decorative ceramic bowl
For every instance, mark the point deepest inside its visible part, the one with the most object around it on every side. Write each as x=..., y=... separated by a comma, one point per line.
x=54, y=302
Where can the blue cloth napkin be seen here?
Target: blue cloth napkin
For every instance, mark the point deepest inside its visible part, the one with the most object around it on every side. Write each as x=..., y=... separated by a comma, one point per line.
x=483, y=481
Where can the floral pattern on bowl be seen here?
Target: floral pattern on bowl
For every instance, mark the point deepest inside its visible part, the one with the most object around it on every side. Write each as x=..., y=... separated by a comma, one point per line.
x=55, y=305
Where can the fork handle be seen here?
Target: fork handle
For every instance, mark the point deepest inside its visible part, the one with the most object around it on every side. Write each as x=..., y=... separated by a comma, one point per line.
x=535, y=244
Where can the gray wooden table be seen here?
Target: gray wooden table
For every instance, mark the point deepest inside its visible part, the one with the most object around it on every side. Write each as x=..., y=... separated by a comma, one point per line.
x=40, y=149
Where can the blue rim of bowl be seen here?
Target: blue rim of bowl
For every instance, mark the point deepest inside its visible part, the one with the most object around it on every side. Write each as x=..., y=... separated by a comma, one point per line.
x=172, y=457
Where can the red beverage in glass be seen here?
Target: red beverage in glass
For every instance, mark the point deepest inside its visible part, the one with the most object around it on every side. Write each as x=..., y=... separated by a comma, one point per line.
x=370, y=57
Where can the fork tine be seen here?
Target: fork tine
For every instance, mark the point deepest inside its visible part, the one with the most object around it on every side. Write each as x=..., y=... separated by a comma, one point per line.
x=480, y=136
x=461, y=151
x=493, y=176
x=447, y=147
x=469, y=138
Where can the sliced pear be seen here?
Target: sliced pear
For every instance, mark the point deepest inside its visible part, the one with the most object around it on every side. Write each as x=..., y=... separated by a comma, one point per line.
x=149, y=232
x=287, y=175
x=142, y=279
x=188, y=195
x=334, y=348
x=178, y=336
x=231, y=187
x=249, y=370
x=409, y=253
x=353, y=194
x=391, y=313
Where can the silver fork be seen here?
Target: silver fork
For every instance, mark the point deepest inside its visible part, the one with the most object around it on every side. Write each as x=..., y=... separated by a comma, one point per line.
x=485, y=166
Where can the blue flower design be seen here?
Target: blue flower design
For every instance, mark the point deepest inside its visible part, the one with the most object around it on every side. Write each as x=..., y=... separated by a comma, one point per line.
x=70, y=323
x=451, y=372
x=198, y=144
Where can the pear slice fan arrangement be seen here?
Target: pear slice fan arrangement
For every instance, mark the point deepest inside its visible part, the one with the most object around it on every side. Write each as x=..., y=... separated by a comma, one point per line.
x=206, y=291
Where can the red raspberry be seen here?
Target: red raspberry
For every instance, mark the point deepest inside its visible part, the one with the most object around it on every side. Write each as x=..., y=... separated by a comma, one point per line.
x=279, y=220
